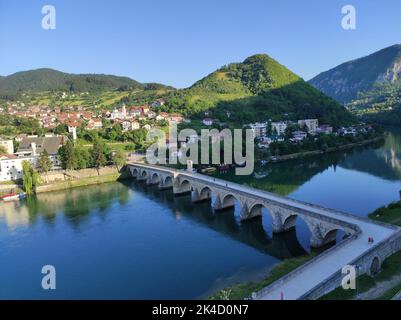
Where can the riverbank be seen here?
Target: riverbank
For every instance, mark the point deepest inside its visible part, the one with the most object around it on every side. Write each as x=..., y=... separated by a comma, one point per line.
x=79, y=178
x=320, y=152
x=244, y=290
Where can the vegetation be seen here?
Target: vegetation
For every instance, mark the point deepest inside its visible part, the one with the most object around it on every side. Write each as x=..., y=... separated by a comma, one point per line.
x=42, y=80
x=382, y=104
x=30, y=178
x=44, y=162
x=391, y=267
x=119, y=159
x=346, y=81
x=245, y=290
x=259, y=88
x=322, y=142
x=389, y=214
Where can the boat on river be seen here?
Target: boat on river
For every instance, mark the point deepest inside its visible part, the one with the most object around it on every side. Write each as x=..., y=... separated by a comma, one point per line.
x=13, y=196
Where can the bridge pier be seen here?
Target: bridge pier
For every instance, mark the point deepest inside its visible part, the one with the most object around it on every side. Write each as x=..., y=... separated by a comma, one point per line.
x=218, y=205
x=203, y=195
x=249, y=214
x=181, y=188
x=320, y=238
x=283, y=223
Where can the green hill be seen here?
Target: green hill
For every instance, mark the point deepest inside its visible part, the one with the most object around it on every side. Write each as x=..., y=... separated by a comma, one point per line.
x=43, y=80
x=255, y=90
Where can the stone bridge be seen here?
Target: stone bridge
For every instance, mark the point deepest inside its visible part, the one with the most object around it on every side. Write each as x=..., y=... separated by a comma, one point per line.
x=323, y=224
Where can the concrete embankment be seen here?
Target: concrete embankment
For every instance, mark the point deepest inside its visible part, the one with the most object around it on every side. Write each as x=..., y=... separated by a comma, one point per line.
x=61, y=180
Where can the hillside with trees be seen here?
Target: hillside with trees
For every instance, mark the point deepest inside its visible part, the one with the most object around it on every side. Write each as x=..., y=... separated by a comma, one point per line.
x=257, y=89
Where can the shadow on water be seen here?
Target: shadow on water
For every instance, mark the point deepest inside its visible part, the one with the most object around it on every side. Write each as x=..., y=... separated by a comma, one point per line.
x=251, y=233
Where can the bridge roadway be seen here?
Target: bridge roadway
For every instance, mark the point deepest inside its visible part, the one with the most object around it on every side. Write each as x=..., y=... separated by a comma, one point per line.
x=325, y=265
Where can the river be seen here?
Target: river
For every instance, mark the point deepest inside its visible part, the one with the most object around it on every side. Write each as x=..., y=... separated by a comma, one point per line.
x=125, y=240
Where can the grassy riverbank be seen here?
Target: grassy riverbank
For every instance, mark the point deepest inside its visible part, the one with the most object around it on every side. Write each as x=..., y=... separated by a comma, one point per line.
x=244, y=290
x=390, y=214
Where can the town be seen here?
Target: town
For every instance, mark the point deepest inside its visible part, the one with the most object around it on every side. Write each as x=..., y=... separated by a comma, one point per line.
x=59, y=125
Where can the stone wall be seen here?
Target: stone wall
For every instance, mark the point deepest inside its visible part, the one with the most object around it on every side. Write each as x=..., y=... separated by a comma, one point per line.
x=381, y=251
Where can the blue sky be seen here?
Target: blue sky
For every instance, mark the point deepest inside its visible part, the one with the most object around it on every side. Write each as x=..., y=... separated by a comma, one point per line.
x=177, y=42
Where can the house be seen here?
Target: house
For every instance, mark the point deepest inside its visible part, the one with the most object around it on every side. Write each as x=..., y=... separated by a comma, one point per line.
x=207, y=121
x=135, y=125
x=259, y=129
x=126, y=125
x=135, y=112
x=11, y=166
x=279, y=127
x=325, y=129
x=33, y=146
x=8, y=145
x=159, y=117
x=176, y=117
x=151, y=114
x=94, y=124
x=265, y=142
x=298, y=136
x=310, y=124
x=72, y=128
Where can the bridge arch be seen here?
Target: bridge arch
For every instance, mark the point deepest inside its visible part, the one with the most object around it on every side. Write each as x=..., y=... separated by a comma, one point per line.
x=134, y=172
x=155, y=178
x=205, y=193
x=143, y=175
x=185, y=186
x=375, y=266
x=330, y=235
x=290, y=222
x=168, y=182
x=229, y=201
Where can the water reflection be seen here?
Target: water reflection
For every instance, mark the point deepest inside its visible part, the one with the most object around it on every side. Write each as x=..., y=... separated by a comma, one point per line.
x=252, y=233
x=383, y=160
x=76, y=204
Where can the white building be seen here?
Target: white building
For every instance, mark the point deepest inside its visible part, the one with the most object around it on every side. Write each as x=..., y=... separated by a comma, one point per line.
x=8, y=145
x=279, y=127
x=259, y=129
x=11, y=166
x=311, y=124
x=207, y=121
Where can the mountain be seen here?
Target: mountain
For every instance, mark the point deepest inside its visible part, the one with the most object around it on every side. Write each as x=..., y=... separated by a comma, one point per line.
x=257, y=89
x=346, y=81
x=42, y=80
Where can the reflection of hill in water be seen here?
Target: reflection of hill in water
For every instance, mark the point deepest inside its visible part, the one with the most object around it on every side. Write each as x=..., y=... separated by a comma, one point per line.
x=285, y=177
x=384, y=161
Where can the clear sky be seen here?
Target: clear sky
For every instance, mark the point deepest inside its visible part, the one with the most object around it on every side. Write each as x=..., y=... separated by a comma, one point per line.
x=177, y=42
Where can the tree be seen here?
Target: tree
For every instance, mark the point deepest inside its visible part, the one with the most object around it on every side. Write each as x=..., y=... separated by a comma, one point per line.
x=44, y=162
x=99, y=154
x=67, y=156
x=30, y=177
x=119, y=159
